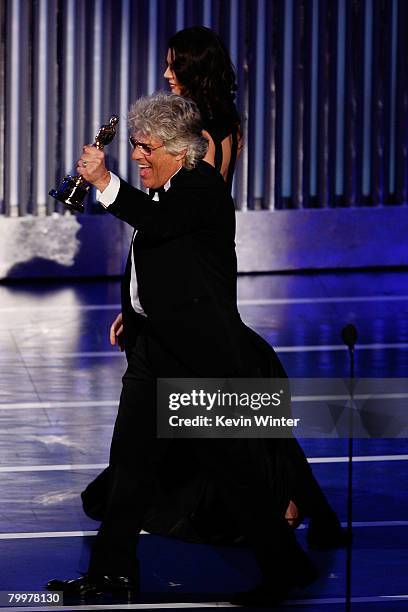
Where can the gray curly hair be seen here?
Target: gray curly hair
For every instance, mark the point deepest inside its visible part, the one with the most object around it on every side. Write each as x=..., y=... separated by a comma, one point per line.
x=174, y=120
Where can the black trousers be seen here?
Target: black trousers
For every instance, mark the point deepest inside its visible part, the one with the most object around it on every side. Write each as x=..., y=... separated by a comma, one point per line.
x=237, y=466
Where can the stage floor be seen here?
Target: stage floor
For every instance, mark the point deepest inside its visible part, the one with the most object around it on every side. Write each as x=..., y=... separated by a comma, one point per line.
x=59, y=388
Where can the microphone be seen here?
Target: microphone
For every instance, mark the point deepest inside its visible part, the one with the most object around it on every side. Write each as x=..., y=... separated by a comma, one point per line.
x=349, y=335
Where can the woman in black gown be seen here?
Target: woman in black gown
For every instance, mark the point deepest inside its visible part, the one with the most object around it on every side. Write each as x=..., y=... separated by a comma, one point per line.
x=199, y=67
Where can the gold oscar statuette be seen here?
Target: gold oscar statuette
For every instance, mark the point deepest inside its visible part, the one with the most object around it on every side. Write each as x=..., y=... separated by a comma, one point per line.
x=74, y=189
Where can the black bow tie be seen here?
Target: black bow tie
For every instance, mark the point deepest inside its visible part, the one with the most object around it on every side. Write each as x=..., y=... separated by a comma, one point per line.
x=159, y=191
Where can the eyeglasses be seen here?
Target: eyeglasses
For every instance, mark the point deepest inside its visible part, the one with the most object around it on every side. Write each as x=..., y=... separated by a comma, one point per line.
x=145, y=148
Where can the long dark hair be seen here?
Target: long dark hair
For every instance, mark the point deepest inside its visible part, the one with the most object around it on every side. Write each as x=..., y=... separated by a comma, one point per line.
x=203, y=67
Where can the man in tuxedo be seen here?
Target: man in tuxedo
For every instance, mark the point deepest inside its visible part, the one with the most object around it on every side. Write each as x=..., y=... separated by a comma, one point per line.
x=180, y=320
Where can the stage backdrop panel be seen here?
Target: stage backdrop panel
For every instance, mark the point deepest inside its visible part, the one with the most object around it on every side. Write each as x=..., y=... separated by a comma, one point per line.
x=323, y=95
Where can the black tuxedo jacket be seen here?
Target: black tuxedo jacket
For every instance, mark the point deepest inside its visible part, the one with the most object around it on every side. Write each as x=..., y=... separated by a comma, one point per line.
x=186, y=269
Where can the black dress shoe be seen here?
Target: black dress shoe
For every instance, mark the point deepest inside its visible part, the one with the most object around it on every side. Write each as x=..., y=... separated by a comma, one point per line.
x=89, y=586
x=326, y=533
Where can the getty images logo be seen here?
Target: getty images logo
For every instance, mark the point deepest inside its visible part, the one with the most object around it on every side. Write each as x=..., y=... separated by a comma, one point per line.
x=220, y=399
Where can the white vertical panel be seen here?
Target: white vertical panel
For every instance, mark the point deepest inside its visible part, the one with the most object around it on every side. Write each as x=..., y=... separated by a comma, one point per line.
x=233, y=49
x=340, y=95
x=13, y=114
x=207, y=13
x=180, y=15
x=124, y=151
x=152, y=53
x=313, y=98
x=259, y=99
x=287, y=102
x=97, y=63
x=69, y=78
x=41, y=152
x=2, y=107
x=368, y=69
x=393, y=93
x=233, y=32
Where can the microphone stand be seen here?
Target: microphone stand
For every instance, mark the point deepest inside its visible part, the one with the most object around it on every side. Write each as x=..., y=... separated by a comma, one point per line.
x=349, y=337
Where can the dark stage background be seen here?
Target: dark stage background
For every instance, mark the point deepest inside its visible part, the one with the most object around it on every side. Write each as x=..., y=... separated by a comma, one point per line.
x=323, y=93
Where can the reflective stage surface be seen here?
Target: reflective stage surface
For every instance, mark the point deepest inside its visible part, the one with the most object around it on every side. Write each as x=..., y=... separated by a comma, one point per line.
x=59, y=387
